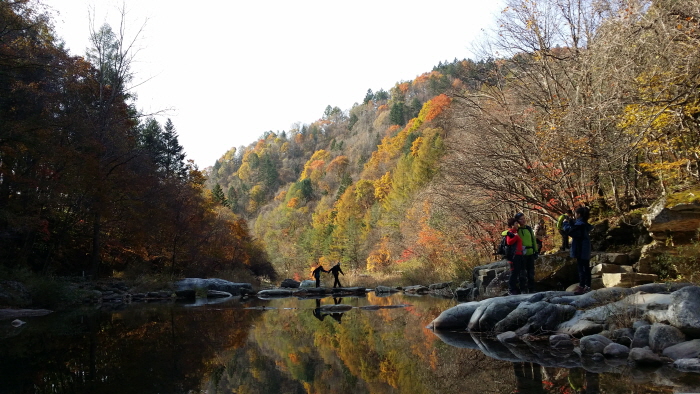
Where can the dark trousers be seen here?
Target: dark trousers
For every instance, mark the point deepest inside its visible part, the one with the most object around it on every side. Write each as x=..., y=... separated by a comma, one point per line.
x=318, y=282
x=517, y=282
x=564, y=240
x=529, y=272
x=584, y=272
x=336, y=281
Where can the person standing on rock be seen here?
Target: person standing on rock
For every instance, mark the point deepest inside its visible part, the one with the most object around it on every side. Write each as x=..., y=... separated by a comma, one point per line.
x=516, y=282
x=316, y=273
x=560, y=227
x=579, y=230
x=531, y=252
x=335, y=270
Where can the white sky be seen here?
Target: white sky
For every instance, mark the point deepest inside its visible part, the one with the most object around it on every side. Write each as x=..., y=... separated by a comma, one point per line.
x=230, y=70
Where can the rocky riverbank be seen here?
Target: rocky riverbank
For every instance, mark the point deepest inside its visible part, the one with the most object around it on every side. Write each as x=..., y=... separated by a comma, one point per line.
x=652, y=325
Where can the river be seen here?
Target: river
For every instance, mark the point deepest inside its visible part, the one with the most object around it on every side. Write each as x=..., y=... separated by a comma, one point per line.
x=284, y=345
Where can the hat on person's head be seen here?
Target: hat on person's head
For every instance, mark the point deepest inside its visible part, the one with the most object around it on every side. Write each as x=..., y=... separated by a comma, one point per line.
x=519, y=215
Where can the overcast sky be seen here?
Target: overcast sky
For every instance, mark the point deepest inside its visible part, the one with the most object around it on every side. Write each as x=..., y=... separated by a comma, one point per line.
x=227, y=71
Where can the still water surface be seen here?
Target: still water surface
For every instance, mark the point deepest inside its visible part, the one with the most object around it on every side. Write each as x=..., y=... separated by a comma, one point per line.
x=286, y=345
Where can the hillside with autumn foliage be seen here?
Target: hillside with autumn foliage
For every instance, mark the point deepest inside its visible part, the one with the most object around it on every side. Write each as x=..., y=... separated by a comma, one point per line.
x=571, y=103
x=575, y=103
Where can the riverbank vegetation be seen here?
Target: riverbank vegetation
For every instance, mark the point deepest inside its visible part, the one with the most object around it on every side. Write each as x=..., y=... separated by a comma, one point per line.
x=568, y=103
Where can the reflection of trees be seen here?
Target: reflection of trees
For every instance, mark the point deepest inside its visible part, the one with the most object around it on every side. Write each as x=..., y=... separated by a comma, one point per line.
x=162, y=349
x=386, y=350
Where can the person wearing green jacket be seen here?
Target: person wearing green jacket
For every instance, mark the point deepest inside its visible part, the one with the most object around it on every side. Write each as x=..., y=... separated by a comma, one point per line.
x=560, y=226
x=531, y=252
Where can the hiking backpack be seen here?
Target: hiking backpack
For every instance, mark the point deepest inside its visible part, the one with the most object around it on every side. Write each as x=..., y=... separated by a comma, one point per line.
x=505, y=250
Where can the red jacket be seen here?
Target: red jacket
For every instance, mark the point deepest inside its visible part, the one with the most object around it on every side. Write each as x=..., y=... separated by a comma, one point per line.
x=515, y=240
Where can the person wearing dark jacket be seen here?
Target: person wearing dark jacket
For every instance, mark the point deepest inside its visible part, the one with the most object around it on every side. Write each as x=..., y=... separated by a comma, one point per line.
x=316, y=273
x=335, y=270
x=579, y=230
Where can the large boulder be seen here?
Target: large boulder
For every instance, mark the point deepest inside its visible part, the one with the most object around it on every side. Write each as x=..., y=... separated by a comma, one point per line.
x=592, y=344
x=236, y=289
x=662, y=336
x=456, y=317
x=688, y=349
x=676, y=216
x=290, y=283
x=493, y=310
x=684, y=312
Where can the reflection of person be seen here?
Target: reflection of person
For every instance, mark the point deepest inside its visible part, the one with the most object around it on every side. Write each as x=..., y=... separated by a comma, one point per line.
x=528, y=378
x=317, y=311
x=530, y=253
x=335, y=270
x=579, y=230
x=316, y=273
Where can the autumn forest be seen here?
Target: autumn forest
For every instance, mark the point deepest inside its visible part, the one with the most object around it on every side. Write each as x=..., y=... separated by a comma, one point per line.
x=569, y=103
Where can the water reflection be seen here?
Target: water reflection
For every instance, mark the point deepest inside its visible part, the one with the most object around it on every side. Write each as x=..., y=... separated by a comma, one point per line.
x=277, y=346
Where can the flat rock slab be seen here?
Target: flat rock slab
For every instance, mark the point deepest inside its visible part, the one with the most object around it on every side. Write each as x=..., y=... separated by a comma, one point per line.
x=10, y=314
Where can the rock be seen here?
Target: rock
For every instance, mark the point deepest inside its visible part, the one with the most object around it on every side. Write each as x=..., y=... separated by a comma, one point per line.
x=214, y=284
x=17, y=323
x=7, y=314
x=679, y=220
x=687, y=365
x=577, y=327
x=508, y=337
x=438, y=286
x=615, y=350
x=592, y=344
x=611, y=259
x=662, y=336
x=601, y=296
x=308, y=283
x=644, y=357
x=688, y=349
x=493, y=310
x=290, y=283
x=417, y=289
x=627, y=280
x=547, y=319
x=464, y=293
x=14, y=293
x=641, y=337
x=684, y=312
x=217, y=294
x=275, y=293
x=456, y=317
x=610, y=269
x=385, y=289
x=519, y=316
x=660, y=288
x=560, y=341
x=555, y=271
x=623, y=336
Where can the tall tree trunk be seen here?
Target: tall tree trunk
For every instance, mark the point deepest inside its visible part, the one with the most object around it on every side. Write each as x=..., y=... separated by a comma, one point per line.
x=95, y=258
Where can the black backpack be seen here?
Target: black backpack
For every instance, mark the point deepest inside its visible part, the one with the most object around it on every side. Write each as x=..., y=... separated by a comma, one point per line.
x=505, y=250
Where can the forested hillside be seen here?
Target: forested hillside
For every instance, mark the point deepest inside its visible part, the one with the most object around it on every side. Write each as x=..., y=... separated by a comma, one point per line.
x=575, y=102
x=571, y=103
x=88, y=184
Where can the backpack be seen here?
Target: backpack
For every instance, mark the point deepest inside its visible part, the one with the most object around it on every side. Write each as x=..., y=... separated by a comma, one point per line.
x=505, y=250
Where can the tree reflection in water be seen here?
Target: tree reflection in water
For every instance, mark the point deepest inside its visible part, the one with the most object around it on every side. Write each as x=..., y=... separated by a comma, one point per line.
x=276, y=346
